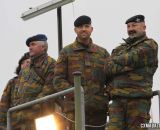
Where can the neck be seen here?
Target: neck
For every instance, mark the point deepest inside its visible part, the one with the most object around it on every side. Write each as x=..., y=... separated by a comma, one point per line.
x=37, y=56
x=84, y=41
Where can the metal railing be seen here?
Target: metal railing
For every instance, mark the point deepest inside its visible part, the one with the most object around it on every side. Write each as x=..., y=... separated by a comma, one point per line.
x=79, y=103
x=155, y=93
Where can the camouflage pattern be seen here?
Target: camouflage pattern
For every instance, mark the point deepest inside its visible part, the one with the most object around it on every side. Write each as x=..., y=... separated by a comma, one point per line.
x=5, y=102
x=128, y=114
x=130, y=71
x=32, y=83
x=90, y=61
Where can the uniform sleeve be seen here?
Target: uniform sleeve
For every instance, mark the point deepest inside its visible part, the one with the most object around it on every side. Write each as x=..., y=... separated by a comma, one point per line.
x=111, y=69
x=143, y=55
x=48, y=87
x=5, y=103
x=60, y=79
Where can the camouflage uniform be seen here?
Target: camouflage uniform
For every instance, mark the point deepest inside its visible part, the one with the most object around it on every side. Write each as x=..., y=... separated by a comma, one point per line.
x=5, y=102
x=90, y=61
x=132, y=65
x=32, y=83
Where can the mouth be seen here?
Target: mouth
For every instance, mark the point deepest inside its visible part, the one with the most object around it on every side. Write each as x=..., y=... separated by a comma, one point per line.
x=132, y=32
x=84, y=34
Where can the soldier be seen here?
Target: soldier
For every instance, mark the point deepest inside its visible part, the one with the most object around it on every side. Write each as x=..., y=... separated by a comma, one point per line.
x=84, y=56
x=34, y=82
x=132, y=66
x=7, y=96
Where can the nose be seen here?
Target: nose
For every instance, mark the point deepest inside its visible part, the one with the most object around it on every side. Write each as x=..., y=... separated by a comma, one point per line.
x=129, y=28
x=30, y=47
x=83, y=28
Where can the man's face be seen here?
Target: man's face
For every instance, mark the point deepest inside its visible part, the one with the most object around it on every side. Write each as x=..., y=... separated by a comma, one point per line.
x=84, y=32
x=136, y=29
x=36, y=48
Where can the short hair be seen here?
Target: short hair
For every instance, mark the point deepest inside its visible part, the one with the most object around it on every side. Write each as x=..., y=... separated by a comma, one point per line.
x=45, y=44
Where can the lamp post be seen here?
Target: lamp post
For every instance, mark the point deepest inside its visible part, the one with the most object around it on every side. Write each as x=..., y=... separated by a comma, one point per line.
x=59, y=22
x=53, y=4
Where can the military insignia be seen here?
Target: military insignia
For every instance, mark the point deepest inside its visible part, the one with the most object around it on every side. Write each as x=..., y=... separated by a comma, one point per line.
x=138, y=20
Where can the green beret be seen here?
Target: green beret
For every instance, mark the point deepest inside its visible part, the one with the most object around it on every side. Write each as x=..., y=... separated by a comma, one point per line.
x=38, y=37
x=136, y=19
x=81, y=20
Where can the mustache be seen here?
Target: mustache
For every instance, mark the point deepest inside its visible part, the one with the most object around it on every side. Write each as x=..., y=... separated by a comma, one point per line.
x=132, y=32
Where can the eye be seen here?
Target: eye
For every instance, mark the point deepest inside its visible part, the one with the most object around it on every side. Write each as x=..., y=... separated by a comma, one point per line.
x=134, y=25
x=32, y=44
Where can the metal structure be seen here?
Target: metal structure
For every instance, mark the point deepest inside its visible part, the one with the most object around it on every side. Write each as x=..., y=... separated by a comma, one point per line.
x=157, y=93
x=53, y=4
x=59, y=22
x=33, y=12
x=79, y=103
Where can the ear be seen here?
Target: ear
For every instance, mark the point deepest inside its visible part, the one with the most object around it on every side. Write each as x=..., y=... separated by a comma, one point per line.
x=43, y=46
x=92, y=29
x=144, y=26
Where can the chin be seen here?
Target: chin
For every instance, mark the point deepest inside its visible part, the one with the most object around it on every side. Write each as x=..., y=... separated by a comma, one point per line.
x=132, y=37
x=31, y=54
x=84, y=38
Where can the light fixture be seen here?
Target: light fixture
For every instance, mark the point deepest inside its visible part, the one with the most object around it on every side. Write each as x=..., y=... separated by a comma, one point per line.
x=33, y=12
x=46, y=123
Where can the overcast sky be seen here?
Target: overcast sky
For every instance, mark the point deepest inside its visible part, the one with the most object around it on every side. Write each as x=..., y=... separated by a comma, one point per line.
x=108, y=20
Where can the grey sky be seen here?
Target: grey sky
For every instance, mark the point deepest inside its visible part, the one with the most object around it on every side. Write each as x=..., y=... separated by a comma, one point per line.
x=108, y=18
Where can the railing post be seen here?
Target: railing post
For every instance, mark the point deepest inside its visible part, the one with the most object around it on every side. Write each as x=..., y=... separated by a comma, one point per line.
x=154, y=94
x=8, y=120
x=79, y=102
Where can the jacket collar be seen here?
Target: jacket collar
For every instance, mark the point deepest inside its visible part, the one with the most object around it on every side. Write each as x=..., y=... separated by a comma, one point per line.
x=38, y=58
x=130, y=42
x=77, y=46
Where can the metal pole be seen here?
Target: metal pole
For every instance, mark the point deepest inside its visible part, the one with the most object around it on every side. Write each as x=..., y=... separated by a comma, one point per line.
x=8, y=120
x=59, y=22
x=79, y=102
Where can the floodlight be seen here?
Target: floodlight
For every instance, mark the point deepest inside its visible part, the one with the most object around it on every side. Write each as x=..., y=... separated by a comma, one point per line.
x=33, y=12
x=46, y=122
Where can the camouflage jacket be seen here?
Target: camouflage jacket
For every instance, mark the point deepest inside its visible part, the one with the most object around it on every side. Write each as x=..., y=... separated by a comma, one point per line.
x=35, y=81
x=88, y=60
x=132, y=66
x=6, y=101
x=32, y=83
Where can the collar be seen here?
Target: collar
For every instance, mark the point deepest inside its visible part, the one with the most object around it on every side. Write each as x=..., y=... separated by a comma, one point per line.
x=129, y=41
x=38, y=58
x=77, y=46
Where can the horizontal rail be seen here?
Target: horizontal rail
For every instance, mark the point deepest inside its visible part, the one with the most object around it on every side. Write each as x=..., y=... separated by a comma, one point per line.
x=31, y=103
